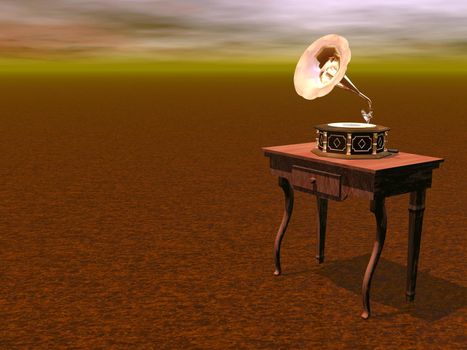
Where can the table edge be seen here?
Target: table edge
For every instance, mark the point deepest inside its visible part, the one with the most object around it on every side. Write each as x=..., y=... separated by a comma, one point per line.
x=267, y=152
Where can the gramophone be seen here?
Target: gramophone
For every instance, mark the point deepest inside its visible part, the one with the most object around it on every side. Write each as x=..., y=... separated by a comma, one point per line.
x=322, y=67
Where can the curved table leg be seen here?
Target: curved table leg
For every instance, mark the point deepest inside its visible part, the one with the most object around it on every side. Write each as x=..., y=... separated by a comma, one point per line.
x=288, y=193
x=379, y=209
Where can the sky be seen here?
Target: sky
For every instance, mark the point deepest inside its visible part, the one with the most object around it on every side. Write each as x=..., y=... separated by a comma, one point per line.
x=176, y=29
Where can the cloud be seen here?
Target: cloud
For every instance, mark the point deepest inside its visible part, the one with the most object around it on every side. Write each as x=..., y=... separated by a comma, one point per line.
x=241, y=28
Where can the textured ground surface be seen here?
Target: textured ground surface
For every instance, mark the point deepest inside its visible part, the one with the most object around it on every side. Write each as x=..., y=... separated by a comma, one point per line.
x=138, y=212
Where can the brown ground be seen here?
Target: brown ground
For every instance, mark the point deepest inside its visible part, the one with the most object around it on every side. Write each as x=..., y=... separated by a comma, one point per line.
x=138, y=212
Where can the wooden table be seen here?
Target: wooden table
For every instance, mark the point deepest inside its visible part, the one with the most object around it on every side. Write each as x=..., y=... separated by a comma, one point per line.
x=330, y=178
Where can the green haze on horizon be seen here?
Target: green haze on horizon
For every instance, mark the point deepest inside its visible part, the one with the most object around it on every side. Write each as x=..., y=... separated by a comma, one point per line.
x=411, y=65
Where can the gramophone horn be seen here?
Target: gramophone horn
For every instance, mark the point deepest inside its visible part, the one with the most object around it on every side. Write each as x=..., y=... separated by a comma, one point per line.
x=322, y=66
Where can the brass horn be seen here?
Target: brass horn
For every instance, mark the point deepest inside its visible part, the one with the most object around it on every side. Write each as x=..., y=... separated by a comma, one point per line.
x=322, y=66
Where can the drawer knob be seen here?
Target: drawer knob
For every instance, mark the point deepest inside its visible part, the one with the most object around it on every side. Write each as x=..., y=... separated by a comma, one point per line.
x=313, y=180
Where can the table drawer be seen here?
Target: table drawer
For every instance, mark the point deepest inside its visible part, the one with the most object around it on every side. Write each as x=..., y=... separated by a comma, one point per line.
x=324, y=184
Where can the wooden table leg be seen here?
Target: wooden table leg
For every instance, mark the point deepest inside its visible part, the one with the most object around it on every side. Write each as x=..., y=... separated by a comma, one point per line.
x=416, y=209
x=289, y=197
x=322, y=205
x=379, y=209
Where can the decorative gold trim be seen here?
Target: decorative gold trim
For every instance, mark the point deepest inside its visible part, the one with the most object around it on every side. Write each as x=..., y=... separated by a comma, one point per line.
x=349, y=143
x=385, y=141
x=325, y=141
x=352, y=156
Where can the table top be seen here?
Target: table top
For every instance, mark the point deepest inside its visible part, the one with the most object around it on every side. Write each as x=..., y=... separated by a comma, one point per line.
x=392, y=162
